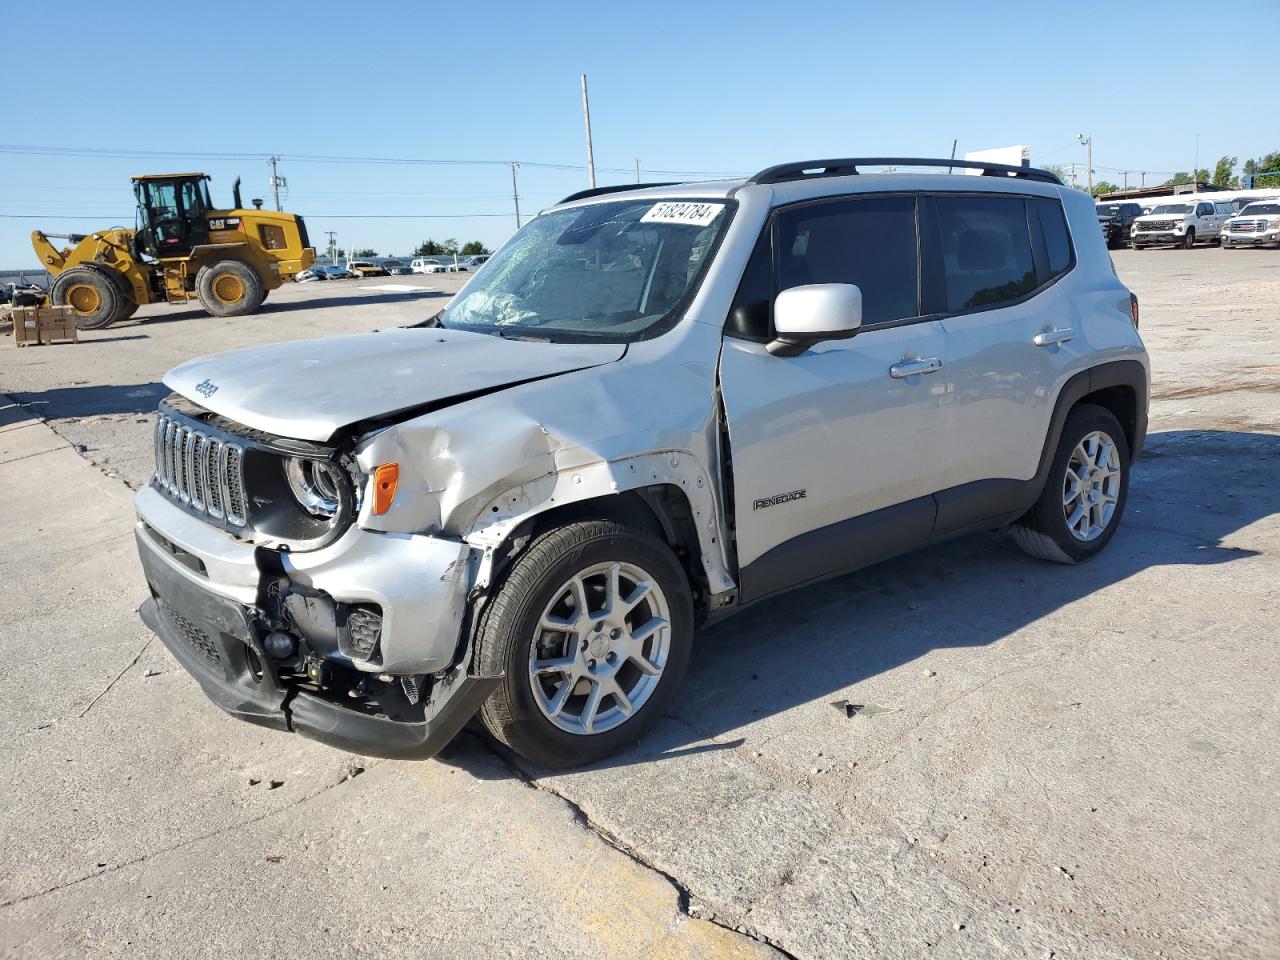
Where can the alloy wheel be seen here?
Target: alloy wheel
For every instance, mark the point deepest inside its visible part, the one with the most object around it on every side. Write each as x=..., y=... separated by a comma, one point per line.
x=600, y=649
x=1091, y=488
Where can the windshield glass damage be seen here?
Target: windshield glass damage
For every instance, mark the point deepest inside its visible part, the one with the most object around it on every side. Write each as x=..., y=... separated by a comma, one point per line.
x=609, y=271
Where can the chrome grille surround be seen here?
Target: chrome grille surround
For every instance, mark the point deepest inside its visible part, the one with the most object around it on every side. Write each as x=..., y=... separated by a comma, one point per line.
x=200, y=471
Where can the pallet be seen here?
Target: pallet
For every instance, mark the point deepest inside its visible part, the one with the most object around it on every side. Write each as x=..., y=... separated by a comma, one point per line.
x=36, y=326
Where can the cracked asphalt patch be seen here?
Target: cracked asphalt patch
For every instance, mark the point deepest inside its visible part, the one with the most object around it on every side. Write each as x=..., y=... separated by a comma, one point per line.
x=1044, y=761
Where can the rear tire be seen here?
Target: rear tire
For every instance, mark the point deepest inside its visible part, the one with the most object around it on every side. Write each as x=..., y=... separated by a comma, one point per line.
x=92, y=294
x=1083, y=499
x=229, y=288
x=634, y=636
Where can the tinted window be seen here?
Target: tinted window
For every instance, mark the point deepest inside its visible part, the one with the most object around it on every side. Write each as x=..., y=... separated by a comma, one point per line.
x=1053, y=234
x=986, y=251
x=871, y=243
x=753, y=305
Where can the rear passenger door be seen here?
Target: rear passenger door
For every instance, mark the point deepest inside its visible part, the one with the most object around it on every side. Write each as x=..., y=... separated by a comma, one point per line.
x=992, y=263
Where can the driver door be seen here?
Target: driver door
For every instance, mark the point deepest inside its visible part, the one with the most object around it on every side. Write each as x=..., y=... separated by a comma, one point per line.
x=835, y=451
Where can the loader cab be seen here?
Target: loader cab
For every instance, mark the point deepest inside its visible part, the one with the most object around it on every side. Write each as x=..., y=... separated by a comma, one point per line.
x=172, y=213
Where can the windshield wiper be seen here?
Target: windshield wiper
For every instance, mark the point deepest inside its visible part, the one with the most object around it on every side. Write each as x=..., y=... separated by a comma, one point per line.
x=506, y=335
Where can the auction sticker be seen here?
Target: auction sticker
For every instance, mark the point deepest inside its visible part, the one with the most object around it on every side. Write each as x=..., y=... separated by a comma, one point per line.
x=690, y=214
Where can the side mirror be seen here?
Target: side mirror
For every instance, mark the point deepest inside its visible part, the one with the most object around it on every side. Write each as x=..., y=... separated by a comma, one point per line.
x=803, y=316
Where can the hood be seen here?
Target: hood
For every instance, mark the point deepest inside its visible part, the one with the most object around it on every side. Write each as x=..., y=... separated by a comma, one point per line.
x=310, y=389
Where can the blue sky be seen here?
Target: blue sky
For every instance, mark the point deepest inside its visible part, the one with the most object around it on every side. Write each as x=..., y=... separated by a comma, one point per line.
x=703, y=88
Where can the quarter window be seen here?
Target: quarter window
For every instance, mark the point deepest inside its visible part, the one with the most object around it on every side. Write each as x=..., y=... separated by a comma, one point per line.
x=986, y=251
x=868, y=242
x=1053, y=233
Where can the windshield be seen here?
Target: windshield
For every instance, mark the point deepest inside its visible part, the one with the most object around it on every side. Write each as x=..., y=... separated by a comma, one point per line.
x=1258, y=209
x=1173, y=208
x=609, y=271
x=1110, y=211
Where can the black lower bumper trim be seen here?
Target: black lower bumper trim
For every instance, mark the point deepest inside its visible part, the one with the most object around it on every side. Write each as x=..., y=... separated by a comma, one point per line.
x=215, y=641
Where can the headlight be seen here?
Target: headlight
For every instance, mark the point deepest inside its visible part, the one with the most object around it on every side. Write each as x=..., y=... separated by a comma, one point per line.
x=316, y=484
x=1273, y=224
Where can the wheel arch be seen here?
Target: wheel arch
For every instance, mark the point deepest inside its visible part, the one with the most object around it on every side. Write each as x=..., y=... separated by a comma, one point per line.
x=668, y=494
x=1119, y=386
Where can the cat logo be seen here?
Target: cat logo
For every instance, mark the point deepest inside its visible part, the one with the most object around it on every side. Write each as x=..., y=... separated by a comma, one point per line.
x=225, y=223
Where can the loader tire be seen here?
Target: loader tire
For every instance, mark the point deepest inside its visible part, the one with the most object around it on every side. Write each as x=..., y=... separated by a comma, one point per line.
x=229, y=288
x=93, y=294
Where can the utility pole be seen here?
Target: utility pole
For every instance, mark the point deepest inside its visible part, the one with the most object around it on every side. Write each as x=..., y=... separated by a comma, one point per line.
x=586, y=119
x=276, y=182
x=1126, y=178
x=515, y=194
x=333, y=245
x=1144, y=178
x=1087, y=140
x=1073, y=166
x=637, y=171
x=1195, y=168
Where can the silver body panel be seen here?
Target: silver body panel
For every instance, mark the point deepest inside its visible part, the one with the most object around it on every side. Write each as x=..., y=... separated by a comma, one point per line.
x=595, y=420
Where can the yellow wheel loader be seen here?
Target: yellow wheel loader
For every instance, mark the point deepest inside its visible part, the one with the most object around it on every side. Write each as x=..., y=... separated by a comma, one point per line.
x=181, y=248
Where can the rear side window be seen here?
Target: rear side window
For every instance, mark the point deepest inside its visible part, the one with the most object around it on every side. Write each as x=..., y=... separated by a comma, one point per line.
x=869, y=242
x=1051, y=227
x=986, y=251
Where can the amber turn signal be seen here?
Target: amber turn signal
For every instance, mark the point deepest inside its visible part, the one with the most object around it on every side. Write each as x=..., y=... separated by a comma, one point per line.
x=385, y=479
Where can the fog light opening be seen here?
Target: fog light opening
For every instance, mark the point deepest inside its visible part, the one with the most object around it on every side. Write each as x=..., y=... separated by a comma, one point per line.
x=362, y=631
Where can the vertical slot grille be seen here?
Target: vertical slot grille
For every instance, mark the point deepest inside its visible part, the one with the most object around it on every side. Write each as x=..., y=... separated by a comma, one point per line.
x=202, y=473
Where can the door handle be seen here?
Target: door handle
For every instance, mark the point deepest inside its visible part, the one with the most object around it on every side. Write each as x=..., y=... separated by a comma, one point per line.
x=1050, y=337
x=909, y=368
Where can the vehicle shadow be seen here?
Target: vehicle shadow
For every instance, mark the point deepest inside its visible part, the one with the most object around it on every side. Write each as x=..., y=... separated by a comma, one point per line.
x=348, y=299
x=813, y=644
x=64, y=403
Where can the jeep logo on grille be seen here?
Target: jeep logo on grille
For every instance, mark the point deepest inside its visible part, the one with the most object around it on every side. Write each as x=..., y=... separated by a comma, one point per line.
x=206, y=388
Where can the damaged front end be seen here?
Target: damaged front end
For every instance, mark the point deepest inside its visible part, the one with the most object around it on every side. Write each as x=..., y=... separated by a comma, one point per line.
x=288, y=612
x=284, y=663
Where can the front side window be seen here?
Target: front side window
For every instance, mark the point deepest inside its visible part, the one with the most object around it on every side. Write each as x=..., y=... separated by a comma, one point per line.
x=868, y=242
x=986, y=251
x=608, y=271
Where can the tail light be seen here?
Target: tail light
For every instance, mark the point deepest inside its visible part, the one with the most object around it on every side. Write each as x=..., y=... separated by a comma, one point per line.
x=1133, y=309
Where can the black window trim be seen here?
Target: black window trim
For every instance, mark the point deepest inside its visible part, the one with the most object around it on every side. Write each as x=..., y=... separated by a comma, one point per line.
x=928, y=254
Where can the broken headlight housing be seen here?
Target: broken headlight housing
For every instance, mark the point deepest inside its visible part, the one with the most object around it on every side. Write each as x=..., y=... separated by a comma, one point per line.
x=316, y=485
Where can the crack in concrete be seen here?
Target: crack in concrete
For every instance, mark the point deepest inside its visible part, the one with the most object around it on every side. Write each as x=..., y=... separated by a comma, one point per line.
x=127, y=667
x=367, y=764
x=688, y=905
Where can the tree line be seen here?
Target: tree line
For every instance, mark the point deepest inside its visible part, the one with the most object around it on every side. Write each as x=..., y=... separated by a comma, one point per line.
x=447, y=248
x=1223, y=175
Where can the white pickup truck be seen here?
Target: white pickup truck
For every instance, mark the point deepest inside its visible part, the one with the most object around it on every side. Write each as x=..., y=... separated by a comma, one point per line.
x=1181, y=224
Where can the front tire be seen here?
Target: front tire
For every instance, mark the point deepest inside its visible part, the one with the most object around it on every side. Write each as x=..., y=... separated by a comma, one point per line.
x=1084, y=497
x=92, y=294
x=229, y=288
x=1189, y=240
x=591, y=629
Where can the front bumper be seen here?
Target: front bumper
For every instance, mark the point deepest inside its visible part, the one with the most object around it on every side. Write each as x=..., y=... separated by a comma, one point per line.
x=1251, y=239
x=1152, y=239
x=218, y=642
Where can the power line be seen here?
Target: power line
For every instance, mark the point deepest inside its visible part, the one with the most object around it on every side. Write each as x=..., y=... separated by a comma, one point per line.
x=127, y=154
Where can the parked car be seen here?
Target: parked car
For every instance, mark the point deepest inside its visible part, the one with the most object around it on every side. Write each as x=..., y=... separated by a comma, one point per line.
x=398, y=530
x=1257, y=224
x=366, y=268
x=477, y=261
x=400, y=271
x=1116, y=221
x=338, y=273
x=429, y=265
x=1182, y=224
x=310, y=275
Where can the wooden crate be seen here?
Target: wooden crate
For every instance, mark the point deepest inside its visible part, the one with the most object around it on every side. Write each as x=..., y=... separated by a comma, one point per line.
x=33, y=326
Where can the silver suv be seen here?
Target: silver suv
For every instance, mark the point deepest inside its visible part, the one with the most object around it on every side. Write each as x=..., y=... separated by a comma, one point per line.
x=654, y=407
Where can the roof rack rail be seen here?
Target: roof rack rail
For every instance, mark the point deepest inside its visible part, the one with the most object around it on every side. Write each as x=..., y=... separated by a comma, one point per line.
x=616, y=188
x=848, y=167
